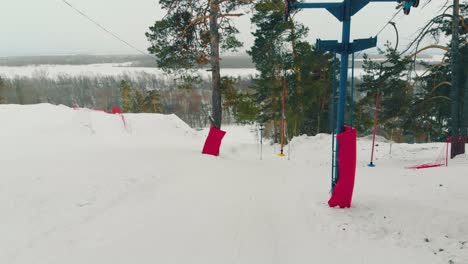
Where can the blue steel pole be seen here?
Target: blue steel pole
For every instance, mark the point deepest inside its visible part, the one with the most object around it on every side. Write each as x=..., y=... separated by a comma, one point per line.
x=343, y=11
x=351, y=100
x=343, y=81
x=344, y=66
x=332, y=116
x=332, y=124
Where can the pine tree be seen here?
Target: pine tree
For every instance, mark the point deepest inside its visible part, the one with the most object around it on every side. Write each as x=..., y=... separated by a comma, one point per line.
x=389, y=80
x=435, y=90
x=152, y=102
x=2, y=92
x=240, y=103
x=138, y=102
x=280, y=54
x=191, y=36
x=126, y=97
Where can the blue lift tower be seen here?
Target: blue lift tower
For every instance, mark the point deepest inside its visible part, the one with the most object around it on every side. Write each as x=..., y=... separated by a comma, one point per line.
x=343, y=11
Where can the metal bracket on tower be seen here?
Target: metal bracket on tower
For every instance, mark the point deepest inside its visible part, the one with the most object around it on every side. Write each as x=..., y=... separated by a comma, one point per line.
x=337, y=11
x=329, y=45
x=363, y=44
x=335, y=46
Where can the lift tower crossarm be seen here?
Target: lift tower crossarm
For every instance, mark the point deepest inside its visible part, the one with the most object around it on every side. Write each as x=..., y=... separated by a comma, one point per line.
x=337, y=9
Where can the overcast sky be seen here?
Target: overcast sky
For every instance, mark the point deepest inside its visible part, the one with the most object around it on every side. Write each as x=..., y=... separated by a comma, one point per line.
x=49, y=27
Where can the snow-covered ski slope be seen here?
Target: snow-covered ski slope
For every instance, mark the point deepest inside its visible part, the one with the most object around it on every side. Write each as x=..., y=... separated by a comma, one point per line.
x=78, y=187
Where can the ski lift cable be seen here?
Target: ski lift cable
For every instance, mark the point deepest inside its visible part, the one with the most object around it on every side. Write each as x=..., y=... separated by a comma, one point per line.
x=388, y=22
x=103, y=28
x=384, y=26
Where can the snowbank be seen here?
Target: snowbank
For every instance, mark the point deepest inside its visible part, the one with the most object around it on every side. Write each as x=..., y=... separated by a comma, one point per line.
x=79, y=187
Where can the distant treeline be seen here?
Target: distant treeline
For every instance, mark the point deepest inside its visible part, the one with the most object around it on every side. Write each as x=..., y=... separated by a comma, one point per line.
x=135, y=60
x=188, y=98
x=67, y=60
x=241, y=61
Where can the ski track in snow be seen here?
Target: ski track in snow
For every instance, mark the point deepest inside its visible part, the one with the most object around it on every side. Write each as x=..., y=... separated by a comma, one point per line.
x=77, y=187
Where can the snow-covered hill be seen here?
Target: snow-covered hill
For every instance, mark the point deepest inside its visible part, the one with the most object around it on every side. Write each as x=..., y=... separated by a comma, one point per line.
x=77, y=186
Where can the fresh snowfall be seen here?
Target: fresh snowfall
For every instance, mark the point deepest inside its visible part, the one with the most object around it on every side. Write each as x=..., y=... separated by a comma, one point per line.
x=86, y=187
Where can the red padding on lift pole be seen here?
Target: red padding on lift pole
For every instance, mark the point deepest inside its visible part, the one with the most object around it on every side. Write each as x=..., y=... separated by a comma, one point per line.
x=343, y=193
x=213, y=141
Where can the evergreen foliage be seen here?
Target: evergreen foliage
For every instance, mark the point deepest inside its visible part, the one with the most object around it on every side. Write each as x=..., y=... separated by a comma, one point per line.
x=2, y=91
x=137, y=101
x=281, y=55
x=191, y=35
x=152, y=102
x=415, y=106
x=389, y=79
x=126, y=97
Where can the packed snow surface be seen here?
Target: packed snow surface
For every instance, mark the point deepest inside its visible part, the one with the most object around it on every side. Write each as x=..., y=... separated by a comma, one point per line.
x=80, y=187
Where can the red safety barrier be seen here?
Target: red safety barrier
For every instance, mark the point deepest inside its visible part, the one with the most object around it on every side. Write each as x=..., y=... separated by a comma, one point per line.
x=442, y=159
x=116, y=110
x=425, y=166
x=213, y=141
x=343, y=192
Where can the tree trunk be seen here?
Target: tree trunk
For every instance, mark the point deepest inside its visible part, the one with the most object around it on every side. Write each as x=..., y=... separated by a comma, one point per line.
x=318, y=123
x=215, y=67
x=465, y=110
x=455, y=90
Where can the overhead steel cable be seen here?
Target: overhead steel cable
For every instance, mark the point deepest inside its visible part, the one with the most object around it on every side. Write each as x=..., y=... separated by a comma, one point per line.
x=384, y=26
x=103, y=28
x=388, y=22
